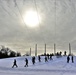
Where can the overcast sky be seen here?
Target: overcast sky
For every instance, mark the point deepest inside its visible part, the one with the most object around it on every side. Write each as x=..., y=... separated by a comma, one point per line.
x=57, y=25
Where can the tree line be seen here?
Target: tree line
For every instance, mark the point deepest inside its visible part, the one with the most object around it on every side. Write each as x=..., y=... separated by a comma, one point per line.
x=6, y=53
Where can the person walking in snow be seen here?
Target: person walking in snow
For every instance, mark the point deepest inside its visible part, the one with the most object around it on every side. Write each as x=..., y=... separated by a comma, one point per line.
x=72, y=58
x=51, y=57
x=33, y=60
x=39, y=58
x=26, y=60
x=46, y=59
x=14, y=63
x=64, y=53
x=68, y=58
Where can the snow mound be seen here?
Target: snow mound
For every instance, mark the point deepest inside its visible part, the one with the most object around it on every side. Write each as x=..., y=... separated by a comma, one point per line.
x=57, y=66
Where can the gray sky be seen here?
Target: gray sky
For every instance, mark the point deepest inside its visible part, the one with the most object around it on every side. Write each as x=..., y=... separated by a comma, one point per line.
x=15, y=34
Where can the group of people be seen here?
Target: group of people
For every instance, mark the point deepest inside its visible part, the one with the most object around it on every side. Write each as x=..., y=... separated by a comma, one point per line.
x=70, y=58
x=15, y=63
x=33, y=61
x=39, y=59
x=26, y=60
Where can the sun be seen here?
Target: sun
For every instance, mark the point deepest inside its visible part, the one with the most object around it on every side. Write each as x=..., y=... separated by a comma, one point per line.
x=32, y=18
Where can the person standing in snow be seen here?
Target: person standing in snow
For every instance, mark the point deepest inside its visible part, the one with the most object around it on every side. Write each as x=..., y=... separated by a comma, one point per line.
x=72, y=58
x=68, y=58
x=14, y=63
x=26, y=60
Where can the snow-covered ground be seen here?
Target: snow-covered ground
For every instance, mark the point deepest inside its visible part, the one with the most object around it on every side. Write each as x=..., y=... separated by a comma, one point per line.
x=57, y=66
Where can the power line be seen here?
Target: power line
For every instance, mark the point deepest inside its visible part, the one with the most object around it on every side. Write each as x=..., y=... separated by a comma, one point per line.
x=19, y=11
x=37, y=10
x=4, y=8
x=55, y=18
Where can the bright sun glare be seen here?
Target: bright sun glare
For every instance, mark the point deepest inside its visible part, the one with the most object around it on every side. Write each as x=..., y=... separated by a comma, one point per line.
x=31, y=18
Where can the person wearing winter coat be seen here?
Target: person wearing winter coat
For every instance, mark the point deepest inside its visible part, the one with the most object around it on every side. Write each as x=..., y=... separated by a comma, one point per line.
x=72, y=58
x=26, y=60
x=14, y=63
x=33, y=60
x=39, y=58
x=68, y=58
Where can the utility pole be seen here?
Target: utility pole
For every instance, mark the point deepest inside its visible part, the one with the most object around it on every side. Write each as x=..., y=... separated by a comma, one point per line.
x=54, y=48
x=30, y=51
x=36, y=50
x=45, y=49
x=69, y=49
